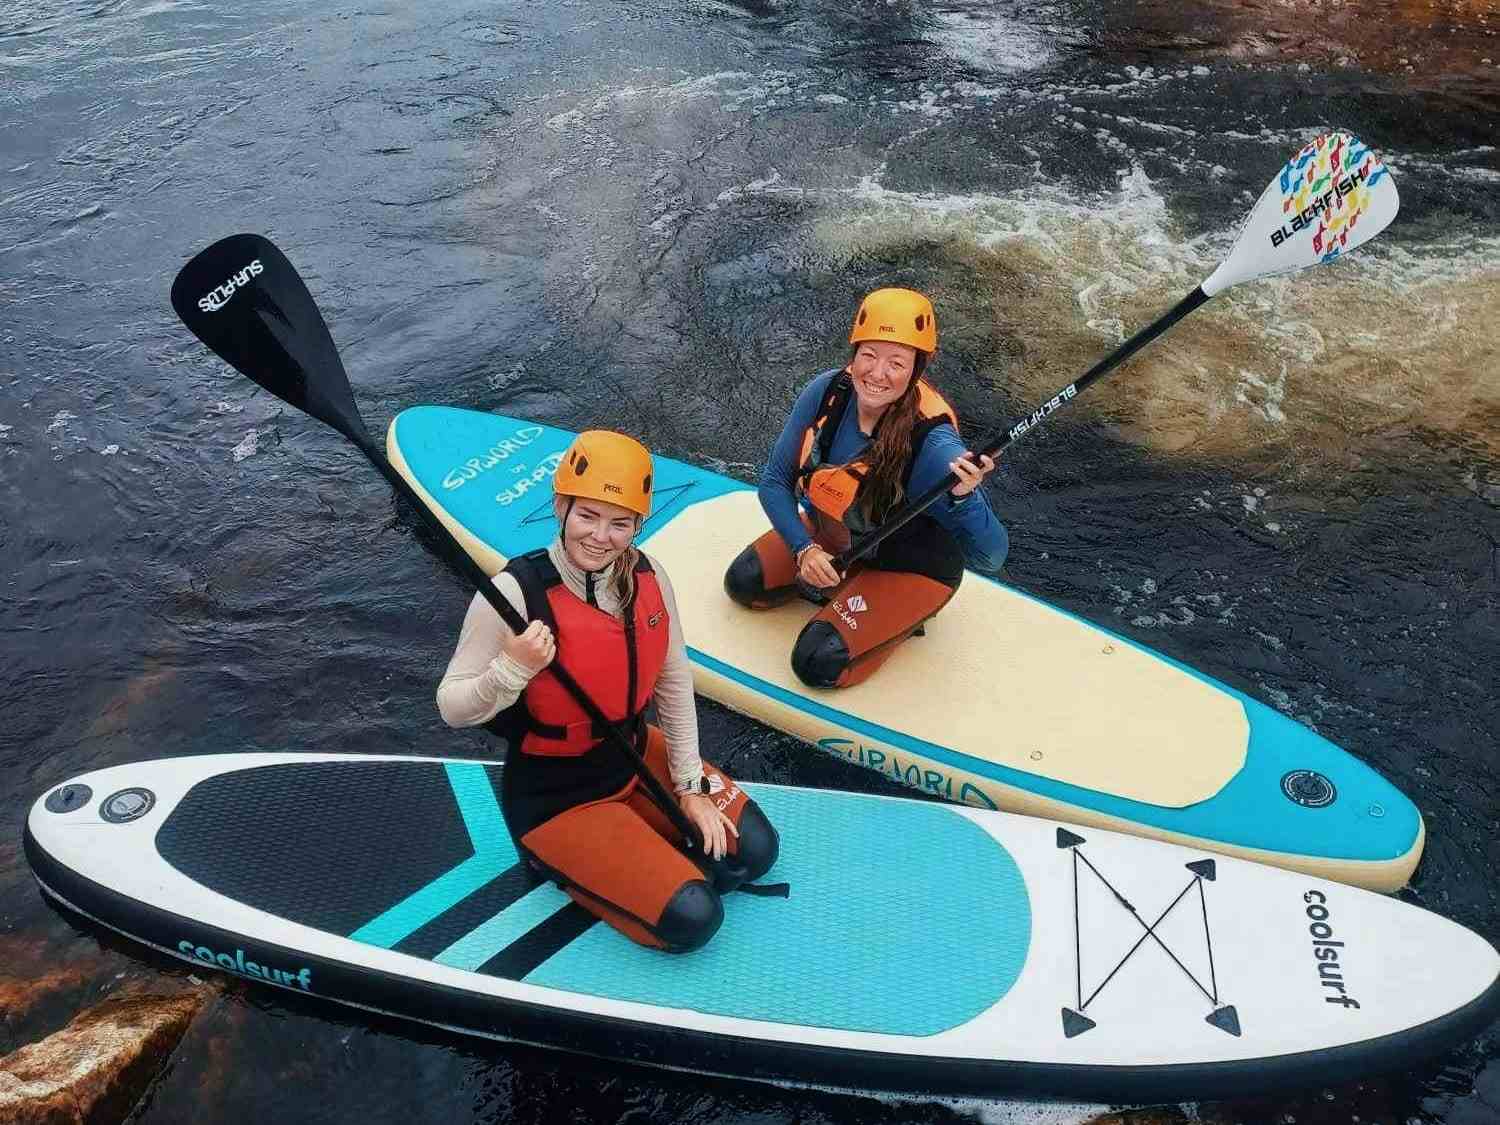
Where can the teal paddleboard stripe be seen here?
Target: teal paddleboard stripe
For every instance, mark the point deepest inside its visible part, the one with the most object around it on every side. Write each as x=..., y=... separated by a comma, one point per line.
x=494, y=853
x=481, y=812
x=480, y=944
x=915, y=902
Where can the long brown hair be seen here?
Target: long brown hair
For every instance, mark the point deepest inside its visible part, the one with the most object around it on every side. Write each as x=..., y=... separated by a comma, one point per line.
x=890, y=450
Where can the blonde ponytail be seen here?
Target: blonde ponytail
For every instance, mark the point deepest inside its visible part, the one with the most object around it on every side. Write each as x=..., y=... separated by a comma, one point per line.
x=625, y=575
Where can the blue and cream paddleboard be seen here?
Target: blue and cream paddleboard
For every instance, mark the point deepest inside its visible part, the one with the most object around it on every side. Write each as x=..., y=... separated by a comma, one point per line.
x=1005, y=703
x=924, y=946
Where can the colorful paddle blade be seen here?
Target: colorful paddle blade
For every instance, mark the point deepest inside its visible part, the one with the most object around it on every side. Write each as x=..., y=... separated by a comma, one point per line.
x=244, y=300
x=1331, y=197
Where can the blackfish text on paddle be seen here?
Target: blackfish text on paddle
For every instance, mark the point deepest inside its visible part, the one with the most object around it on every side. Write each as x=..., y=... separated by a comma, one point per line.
x=1062, y=396
x=1330, y=201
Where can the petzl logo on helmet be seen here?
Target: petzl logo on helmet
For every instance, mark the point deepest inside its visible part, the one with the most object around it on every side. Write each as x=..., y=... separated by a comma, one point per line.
x=857, y=603
x=220, y=295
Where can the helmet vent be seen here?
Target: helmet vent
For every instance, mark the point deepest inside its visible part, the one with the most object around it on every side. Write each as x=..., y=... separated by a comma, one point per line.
x=581, y=467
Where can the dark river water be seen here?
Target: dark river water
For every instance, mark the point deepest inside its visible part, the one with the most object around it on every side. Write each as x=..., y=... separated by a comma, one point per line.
x=658, y=216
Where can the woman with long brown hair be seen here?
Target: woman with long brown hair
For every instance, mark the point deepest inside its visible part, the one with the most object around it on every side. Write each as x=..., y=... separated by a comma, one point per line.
x=858, y=441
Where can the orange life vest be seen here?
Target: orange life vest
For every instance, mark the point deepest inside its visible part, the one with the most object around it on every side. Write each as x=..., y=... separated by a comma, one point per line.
x=834, y=490
x=617, y=662
x=558, y=758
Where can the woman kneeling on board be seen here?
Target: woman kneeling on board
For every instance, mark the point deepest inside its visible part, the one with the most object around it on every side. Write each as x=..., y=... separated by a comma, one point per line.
x=572, y=800
x=857, y=442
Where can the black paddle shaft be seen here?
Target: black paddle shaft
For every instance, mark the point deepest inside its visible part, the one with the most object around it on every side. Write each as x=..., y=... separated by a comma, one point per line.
x=1020, y=427
x=246, y=301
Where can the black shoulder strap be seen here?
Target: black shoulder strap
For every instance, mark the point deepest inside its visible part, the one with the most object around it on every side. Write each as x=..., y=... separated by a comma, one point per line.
x=919, y=432
x=535, y=574
x=835, y=403
x=922, y=427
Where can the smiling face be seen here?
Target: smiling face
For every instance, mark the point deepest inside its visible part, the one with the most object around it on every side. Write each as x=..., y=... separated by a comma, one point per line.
x=595, y=532
x=881, y=372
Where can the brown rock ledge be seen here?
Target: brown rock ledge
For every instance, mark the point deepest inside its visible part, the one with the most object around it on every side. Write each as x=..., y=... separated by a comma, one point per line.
x=97, y=1067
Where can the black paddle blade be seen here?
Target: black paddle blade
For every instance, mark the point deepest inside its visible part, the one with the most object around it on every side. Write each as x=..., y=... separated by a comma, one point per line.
x=244, y=300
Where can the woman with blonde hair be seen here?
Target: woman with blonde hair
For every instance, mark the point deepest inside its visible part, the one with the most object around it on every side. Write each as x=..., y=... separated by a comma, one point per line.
x=573, y=803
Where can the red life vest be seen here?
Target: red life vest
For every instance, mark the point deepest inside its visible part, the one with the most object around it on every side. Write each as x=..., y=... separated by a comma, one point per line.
x=616, y=661
x=834, y=490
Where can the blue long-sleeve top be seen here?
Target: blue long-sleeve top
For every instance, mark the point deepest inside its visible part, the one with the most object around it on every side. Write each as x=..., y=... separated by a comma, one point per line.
x=969, y=519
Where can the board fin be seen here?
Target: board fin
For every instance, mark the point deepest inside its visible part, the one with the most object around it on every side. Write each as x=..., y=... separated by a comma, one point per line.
x=1225, y=1019
x=1203, y=868
x=1066, y=839
x=1075, y=1023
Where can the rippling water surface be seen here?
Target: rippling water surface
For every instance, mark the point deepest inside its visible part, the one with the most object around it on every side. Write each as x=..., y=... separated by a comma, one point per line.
x=657, y=217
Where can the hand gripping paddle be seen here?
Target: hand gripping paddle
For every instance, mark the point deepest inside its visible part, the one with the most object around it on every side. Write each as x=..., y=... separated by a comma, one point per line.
x=244, y=300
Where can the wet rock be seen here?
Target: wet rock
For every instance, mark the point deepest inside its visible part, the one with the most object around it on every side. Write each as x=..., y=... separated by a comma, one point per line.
x=20, y=996
x=1156, y=1115
x=44, y=982
x=95, y=1069
x=1442, y=52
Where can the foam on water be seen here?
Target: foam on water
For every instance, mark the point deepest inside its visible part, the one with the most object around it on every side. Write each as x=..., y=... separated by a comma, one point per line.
x=1389, y=341
x=991, y=41
x=1393, y=337
x=987, y=1111
x=1026, y=1113
x=248, y=446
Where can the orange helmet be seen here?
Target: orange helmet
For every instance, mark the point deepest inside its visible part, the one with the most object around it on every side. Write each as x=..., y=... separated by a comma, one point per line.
x=901, y=316
x=604, y=465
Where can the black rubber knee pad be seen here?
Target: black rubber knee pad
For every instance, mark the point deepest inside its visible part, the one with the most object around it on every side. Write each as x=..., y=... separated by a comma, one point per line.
x=692, y=915
x=745, y=581
x=758, y=844
x=820, y=655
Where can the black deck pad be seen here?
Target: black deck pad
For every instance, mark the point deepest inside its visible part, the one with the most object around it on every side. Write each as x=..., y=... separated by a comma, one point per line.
x=327, y=844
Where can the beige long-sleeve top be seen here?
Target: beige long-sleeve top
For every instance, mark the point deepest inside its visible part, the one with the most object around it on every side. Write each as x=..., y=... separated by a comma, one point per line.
x=482, y=680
